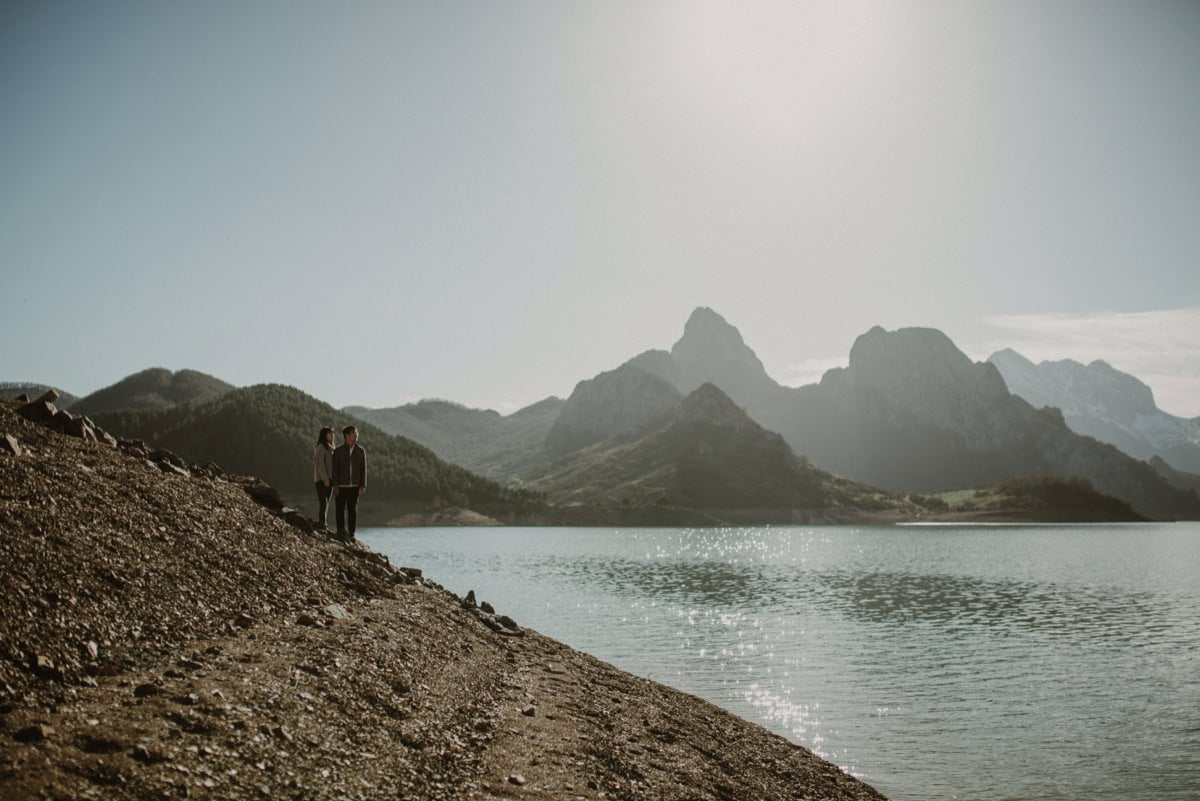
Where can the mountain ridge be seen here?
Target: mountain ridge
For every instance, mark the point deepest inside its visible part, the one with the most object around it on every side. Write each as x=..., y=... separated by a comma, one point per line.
x=1099, y=401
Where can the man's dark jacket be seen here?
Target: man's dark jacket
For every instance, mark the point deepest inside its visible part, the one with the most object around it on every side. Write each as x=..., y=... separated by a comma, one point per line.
x=349, y=469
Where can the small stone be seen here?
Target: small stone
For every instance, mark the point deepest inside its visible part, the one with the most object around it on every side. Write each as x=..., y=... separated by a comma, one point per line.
x=146, y=690
x=168, y=467
x=93, y=650
x=485, y=606
x=49, y=396
x=517, y=779
x=338, y=612
x=144, y=755
x=243, y=621
x=35, y=733
x=10, y=445
x=529, y=711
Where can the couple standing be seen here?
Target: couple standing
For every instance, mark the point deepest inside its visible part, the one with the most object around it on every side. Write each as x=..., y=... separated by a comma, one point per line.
x=342, y=471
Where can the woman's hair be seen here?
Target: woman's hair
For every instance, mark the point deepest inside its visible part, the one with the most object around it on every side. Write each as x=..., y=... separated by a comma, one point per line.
x=321, y=436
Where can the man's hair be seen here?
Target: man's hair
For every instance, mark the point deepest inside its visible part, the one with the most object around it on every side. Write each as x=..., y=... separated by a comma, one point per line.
x=346, y=431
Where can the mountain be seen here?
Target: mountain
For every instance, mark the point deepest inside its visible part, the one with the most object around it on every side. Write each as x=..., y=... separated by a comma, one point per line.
x=713, y=351
x=910, y=412
x=480, y=440
x=270, y=431
x=913, y=412
x=156, y=388
x=11, y=389
x=608, y=404
x=1176, y=478
x=705, y=453
x=448, y=429
x=1102, y=402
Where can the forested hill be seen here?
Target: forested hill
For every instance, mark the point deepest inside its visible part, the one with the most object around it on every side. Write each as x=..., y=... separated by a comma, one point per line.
x=270, y=431
x=154, y=389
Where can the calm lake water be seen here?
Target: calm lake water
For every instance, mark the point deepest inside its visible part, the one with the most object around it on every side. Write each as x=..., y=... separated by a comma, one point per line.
x=1054, y=662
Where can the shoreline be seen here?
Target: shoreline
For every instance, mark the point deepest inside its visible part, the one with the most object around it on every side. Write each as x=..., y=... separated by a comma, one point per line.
x=167, y=636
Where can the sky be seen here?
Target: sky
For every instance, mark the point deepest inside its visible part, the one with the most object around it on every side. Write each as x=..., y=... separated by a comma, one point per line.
x=378, y=202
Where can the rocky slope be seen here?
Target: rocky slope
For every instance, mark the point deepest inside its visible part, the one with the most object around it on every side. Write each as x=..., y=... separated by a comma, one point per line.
x=165, y=635
x=1102, y=402
x=11, y=389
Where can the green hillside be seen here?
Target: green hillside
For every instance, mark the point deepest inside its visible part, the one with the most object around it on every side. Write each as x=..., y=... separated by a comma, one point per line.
x=153, y=389
x=706, y=454
x=1046, y=499
x=270, y=431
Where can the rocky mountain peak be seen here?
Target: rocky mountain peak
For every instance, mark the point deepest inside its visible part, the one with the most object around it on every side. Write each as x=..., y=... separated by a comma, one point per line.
x=1096, y=390
x=609, y=404
x=708, y=404
x=713, y=351
x=923, y=373
x=911, y=358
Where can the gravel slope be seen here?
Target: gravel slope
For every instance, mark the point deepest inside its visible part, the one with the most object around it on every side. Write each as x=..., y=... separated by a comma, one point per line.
x=166, y=636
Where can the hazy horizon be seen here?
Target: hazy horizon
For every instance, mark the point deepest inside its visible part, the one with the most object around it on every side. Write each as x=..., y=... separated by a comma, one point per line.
x=386, y=201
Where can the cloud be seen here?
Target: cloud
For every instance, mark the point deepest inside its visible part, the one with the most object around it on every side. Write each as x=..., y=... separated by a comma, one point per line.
x=1160, y=348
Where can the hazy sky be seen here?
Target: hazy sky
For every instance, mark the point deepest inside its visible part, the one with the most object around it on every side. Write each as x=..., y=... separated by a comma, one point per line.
x=487, y=202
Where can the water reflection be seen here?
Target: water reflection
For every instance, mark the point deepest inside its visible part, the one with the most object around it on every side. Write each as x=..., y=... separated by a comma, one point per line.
x=1087, y=613
x=912, y=658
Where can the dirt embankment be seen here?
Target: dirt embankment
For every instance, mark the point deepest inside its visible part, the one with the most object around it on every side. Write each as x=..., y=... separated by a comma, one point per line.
x=166, y=636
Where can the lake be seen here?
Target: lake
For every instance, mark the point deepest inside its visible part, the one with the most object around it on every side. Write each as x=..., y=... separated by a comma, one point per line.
x=947, y=662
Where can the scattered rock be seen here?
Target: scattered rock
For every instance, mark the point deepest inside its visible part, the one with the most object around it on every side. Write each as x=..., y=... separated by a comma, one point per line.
x=265, y=494
x=517, y=779
x=10, y=445
x=147, y=756
x=146, y=690
x=35, y=733
x=38, y=411
x=168, y=467
x=44, y=667
x=338, y=612
x=49, y=396
x=529, y=711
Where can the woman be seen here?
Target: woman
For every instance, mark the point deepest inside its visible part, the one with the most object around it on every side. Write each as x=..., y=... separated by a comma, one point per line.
x=323, y=473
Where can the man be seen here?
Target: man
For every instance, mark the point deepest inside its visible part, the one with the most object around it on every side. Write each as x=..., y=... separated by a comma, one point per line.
x=349, y=481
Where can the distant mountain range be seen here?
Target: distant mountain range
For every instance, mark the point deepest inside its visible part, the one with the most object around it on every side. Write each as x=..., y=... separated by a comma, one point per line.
x=910, y=413
x=703, y=427
x=1104, y=403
